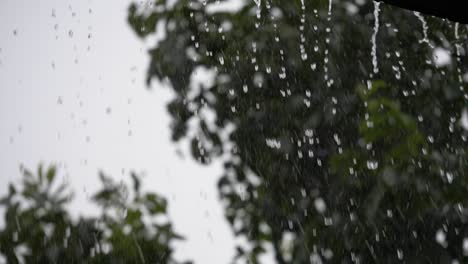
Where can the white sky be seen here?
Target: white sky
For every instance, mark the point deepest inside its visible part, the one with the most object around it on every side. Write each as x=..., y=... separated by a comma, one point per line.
x=44, y=58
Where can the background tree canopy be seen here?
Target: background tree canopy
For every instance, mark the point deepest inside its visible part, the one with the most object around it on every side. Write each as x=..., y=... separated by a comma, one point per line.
x=341, y=132
x=132, y=228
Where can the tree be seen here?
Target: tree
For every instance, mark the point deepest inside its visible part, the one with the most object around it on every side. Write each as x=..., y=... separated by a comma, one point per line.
x=39, y=229
x=346, y=143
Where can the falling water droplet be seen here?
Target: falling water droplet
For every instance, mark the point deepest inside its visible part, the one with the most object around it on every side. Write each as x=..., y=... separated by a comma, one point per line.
x=400, y=254
x=372, y=164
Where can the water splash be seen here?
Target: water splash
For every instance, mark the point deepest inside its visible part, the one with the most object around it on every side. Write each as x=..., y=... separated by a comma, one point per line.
x=374, y=36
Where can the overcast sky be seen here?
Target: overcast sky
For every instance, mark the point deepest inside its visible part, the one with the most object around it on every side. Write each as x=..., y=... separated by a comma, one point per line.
x=72, y=93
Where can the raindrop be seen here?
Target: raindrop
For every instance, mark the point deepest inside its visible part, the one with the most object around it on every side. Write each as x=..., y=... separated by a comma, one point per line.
x=372, y=164
x=320, y=205
x=282, y=74
x=400, y=254
x=440, y=237
x=449, y=176
x=273, y=143
x=430, y=139
x=337, y=139
x=389, y=213
x=465, y=246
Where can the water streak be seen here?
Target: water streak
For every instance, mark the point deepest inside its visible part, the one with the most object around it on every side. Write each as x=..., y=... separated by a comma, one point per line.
x=374, y=36
x=425, y=29
x=457, y=50
x=329, y=81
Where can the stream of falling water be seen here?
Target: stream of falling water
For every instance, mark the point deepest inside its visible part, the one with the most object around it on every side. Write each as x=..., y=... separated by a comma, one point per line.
x=425, y=29
x=302, y=36
x=457, y=50
x=328, y=80
x=374, y=36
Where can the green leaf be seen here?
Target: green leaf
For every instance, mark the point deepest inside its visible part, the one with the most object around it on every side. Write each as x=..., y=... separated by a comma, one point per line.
x=155, y=204
x=51, y=174
x=11, y=190
x=136, y=182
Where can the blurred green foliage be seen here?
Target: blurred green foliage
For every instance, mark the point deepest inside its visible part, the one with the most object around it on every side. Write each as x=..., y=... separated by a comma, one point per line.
x=318, y=169
x=132, y=227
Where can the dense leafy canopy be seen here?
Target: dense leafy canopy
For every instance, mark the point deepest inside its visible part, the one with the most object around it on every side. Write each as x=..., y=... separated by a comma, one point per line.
x=133, y=226
x=346, y=142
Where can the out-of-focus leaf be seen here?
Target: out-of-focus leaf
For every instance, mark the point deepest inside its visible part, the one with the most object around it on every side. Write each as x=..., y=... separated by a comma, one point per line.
x=136, y=182
x=44, y=226
x=51, y=174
